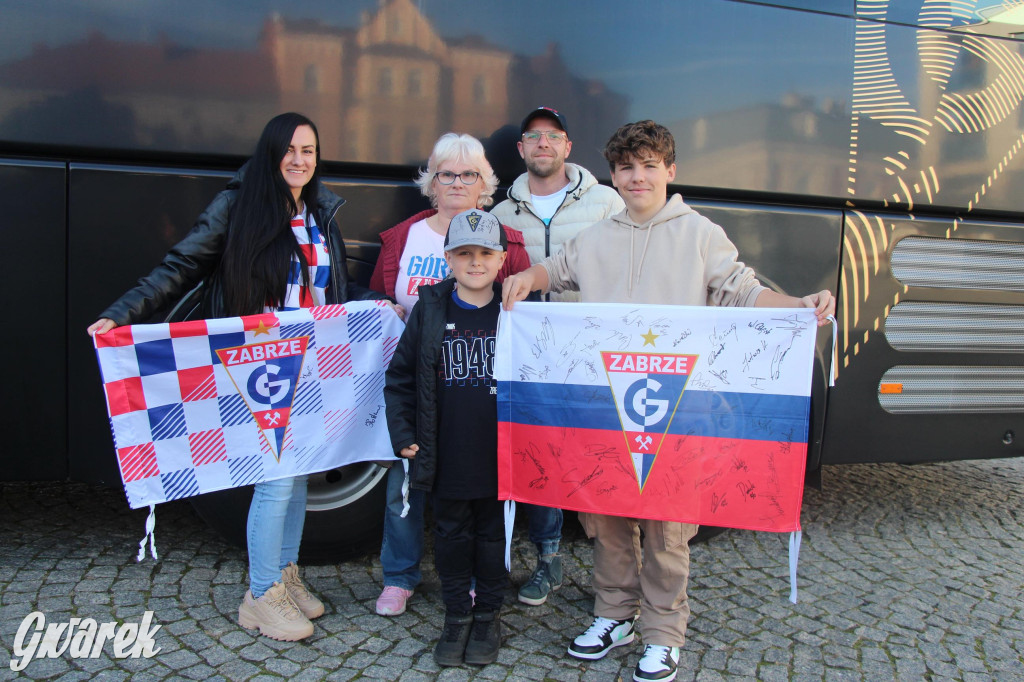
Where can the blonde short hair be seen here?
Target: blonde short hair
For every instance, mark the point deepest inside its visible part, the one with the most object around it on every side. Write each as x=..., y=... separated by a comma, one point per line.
x=464, y=148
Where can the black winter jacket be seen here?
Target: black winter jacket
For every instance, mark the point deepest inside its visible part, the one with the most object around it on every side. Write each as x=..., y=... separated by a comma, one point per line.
x=195, y=259
x=410, y=384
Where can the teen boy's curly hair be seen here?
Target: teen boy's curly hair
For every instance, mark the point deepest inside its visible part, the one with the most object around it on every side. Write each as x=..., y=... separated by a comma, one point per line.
x=640, y=140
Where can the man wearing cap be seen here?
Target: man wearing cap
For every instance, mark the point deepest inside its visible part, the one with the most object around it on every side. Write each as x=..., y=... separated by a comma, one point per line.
x=549, y=204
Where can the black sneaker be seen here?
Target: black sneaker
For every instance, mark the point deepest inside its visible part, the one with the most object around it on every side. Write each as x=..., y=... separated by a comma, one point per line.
x=658, y=664
x=484, y=639
x=452, y=645
x=546, y=577
x=603, y=635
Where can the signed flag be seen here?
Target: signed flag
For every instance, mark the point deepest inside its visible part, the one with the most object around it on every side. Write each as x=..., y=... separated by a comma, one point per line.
x=691, y=414
x=213, y=404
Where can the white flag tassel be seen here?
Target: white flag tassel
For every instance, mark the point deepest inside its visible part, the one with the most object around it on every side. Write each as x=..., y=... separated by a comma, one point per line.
x=510, y=522
x=835, y=351
x=794, y=558
x=150, y=535
x=405, y=489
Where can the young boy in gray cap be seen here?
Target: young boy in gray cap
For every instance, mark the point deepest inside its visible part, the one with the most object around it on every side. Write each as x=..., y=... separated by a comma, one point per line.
x=442, y=414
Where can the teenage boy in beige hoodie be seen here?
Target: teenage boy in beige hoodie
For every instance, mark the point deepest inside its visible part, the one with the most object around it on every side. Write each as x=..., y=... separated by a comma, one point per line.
x=674, y=256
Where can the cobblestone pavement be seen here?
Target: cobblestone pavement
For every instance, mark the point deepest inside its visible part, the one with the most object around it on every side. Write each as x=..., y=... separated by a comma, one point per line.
x=905, y=573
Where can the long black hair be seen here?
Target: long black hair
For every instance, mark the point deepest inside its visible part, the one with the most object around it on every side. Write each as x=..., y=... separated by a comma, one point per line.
x=260, y=244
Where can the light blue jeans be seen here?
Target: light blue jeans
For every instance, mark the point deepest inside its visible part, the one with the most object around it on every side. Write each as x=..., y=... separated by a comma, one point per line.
x=402, y=546
x=274, y=530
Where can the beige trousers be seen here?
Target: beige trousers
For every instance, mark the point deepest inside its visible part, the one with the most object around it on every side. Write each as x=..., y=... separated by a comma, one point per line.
x=652, y=582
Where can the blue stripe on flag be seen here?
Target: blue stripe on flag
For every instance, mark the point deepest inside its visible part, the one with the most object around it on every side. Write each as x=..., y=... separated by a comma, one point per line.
x=245, y=470
x=307, y=399
x=367, y=385
x=305, y=456
x=290, y=331
x=364, y=325
x=181, y=483
x=155, y=357
x=167, y=421
x=227, y=340
x=233, y=410
x=751, y=416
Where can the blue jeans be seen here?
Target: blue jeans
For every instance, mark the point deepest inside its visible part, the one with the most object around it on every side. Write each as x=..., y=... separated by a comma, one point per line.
x=545, y=528
x=274, y=530
x=402, y=546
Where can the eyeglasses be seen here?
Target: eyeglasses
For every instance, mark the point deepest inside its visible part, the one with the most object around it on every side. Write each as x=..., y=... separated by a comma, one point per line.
x=553, y=136
x=447, y=177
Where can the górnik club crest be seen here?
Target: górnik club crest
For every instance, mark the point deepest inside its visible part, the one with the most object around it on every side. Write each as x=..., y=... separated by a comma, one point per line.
x=266, y=375
x=646, y=388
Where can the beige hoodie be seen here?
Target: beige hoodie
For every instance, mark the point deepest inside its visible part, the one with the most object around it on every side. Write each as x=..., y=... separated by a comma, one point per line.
x=679, y=257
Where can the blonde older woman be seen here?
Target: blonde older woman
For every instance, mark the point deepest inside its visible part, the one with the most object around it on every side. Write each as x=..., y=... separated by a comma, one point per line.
x=457, y=178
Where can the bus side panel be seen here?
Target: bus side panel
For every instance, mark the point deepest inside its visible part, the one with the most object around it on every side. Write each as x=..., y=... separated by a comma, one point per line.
x=795, y=251
x=937, y=416
x=33, y=281
x=122, y=220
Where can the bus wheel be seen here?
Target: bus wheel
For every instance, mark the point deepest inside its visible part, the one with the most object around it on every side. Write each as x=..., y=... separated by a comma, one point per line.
x=344, y=513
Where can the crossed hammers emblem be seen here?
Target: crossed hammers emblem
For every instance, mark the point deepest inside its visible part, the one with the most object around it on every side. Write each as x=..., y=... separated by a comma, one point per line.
x=276, y=417
x=645, y=443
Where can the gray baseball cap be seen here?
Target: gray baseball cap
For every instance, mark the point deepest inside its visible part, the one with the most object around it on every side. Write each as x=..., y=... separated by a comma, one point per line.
x=475, y=228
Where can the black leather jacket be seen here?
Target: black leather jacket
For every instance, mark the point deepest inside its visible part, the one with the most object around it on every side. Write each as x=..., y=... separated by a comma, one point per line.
x=410, y=383
x=194, y=261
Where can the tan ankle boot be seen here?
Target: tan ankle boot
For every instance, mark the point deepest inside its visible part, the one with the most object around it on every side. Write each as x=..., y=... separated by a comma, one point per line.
x=275, y=615
x=310, y=606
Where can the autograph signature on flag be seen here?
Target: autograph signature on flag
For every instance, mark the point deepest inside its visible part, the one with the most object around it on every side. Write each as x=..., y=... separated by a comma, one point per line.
x=691, y=414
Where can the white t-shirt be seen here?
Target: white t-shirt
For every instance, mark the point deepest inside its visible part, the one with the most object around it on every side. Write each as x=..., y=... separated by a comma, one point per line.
x=422, y=263
x=547, y=205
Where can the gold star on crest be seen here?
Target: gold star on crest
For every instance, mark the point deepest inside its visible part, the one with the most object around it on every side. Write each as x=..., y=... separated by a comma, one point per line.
x=261, y=329
x=649, y=337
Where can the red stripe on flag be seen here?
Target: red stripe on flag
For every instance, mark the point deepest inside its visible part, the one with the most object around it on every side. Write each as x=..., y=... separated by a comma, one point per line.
x=180, y=330
x=207, y=447
x=324, y=312
x=197, y=383
x=733, y=483
x=338, y=423
x=125, y=395
x=388, y=350
x=137, y=462
x=118, y=336
x=262, y=321
x=334, y=361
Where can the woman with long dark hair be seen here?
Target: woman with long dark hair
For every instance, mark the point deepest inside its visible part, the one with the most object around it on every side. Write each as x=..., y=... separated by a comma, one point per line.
x=269, y=242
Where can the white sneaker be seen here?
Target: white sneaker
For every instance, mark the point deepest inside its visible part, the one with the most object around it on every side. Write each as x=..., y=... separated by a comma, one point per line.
x=658, y=663
x=603, y=635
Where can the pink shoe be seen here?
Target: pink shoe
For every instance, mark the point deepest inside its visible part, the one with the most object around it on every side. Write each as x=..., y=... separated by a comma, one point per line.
x=472, y=596
x=391, y=601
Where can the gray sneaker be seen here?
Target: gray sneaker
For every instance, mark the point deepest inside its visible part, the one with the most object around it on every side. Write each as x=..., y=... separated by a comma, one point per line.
x=546, y=577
